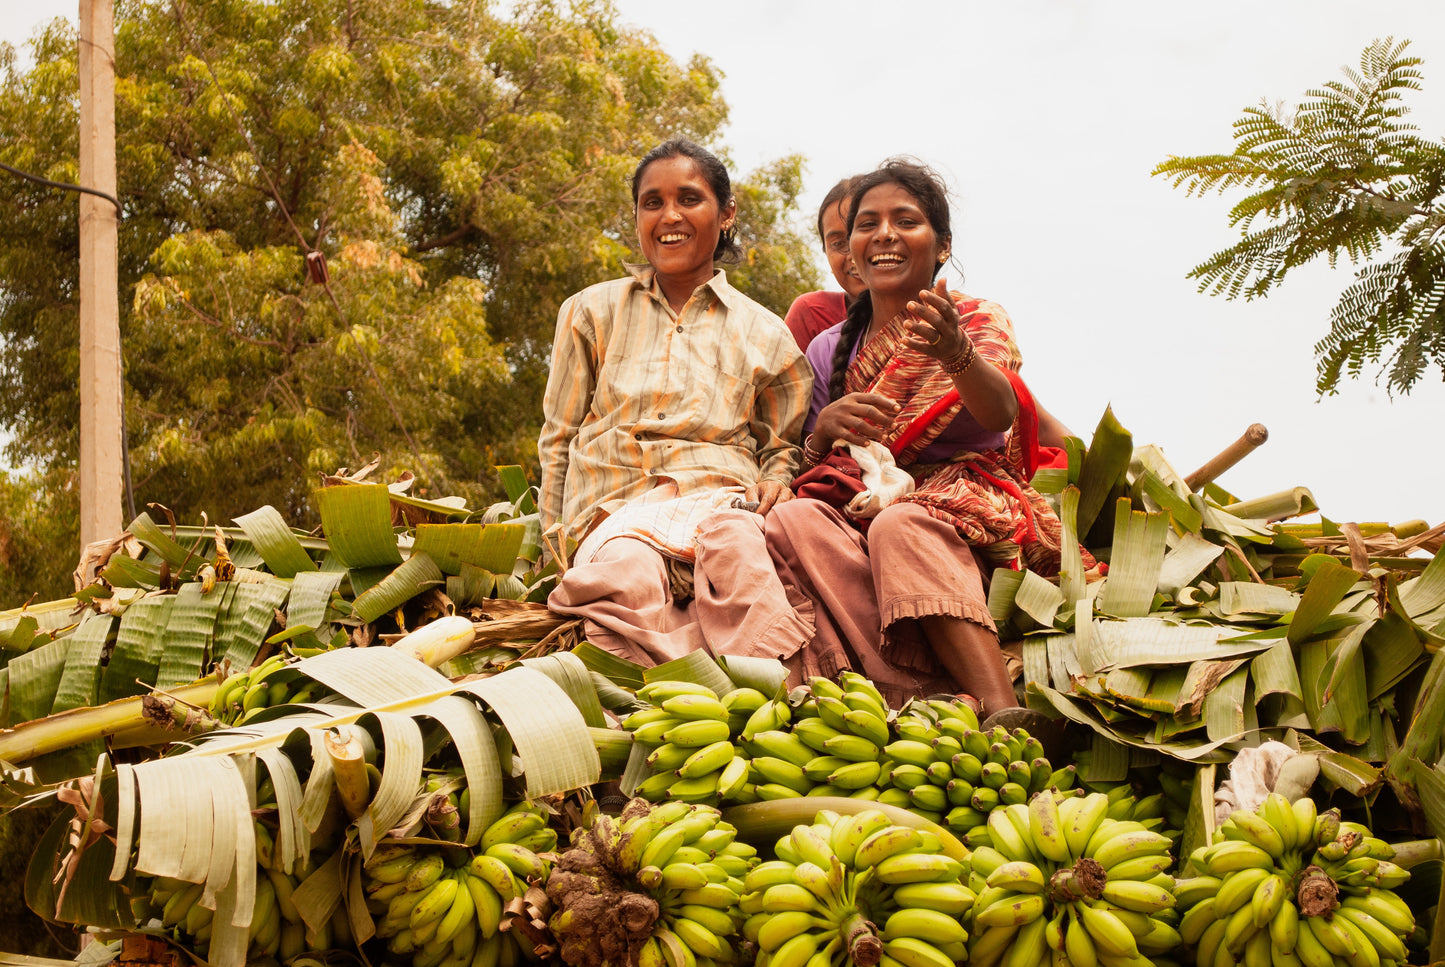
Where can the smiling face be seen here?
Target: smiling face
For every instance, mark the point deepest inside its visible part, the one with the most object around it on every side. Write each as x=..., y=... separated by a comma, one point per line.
x=895, y=248
x=679, y=222
x=834, y=223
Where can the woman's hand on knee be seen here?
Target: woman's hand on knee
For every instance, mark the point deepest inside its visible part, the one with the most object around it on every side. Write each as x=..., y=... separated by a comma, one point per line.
x=858, y=418
x=768, y=494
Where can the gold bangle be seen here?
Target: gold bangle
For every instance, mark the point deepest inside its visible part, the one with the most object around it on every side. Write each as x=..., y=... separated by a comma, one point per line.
x=958, y=363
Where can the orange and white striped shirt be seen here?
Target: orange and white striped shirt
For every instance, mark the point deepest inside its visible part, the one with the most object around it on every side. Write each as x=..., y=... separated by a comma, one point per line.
x=709, y=398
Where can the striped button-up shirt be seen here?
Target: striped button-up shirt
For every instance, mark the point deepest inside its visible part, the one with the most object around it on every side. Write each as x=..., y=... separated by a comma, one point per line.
x=711, y=397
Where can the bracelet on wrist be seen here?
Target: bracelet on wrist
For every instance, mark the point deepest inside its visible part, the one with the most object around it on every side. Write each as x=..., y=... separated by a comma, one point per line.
x=812, y=456
x=958, y=363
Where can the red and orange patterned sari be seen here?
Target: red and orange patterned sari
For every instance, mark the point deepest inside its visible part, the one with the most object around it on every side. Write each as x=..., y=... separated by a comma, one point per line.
x=985, y=495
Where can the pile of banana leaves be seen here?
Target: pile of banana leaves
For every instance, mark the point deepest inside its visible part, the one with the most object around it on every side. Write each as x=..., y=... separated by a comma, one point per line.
x=165, y=606
x=1211, y=626
x=1215, y=626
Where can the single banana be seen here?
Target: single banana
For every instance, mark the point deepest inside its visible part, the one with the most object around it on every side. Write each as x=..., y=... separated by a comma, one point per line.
x=1138, y=897
x=462, y=912
x=696, y=707
x=886, y=842
x=1078, y=946
x=1082, y=820
x=1284, y=928
x=1238, y=889
x=1269, y=898
x=1047, y=829
x=854, y=748
x=486, y=904
x=953, y=899
x=1130, y=845
x=777, y=929
x=434, y=904
x=699, y=939
x=912, y=952
x=1230, y=856
x=1010, y=911
x=1108, y=932
x=1019, y=876
x=1249, y=827
x=658, y=692
x=696, y=733
x=924, y=924
x=918, y=868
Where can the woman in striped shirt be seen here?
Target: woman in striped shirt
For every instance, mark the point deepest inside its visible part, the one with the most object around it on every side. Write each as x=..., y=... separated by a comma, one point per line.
x=671, y=411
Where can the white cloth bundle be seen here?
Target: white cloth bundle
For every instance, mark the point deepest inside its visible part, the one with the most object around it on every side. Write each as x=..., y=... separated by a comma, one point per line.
x=884, y=481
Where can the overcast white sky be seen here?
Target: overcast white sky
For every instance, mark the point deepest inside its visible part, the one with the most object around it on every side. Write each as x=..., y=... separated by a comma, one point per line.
x=1047, y=116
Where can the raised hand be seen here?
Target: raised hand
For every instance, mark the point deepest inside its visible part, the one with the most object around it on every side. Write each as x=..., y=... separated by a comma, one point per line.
x=935, y=329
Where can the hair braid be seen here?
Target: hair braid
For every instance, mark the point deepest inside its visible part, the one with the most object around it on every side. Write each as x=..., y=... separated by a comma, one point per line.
x=860, y=313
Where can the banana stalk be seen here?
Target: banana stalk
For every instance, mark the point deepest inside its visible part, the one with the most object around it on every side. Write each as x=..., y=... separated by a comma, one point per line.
x=1417, y=851
x=348, y=763
x=167, y=712
x=764, y=822
x=118, y=718
x=613, y=748
x=439, y=641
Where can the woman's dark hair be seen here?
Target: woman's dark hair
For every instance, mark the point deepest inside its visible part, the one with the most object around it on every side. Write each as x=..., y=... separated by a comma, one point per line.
x=716, y=174
x=834, y=198
x=927, y=187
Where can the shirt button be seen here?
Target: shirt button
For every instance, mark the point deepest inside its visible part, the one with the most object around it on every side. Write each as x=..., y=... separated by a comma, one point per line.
x=679, y=329
x=662, y=416
x=637, y=436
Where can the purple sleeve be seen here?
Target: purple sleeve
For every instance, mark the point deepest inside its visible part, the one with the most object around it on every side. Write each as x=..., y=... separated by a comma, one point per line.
x=820, y=354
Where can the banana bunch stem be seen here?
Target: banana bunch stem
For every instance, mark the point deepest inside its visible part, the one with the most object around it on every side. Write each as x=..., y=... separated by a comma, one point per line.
x=861, y=941
x=1082, y=881
x=348, y=763
x=1316, y=892
x=167, y=712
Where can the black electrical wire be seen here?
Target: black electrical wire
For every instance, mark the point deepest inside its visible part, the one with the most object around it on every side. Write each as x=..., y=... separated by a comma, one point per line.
x=62, y=185
x=119, y=212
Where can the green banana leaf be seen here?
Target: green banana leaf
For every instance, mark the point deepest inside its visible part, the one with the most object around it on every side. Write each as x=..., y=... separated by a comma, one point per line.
x=491, y=547
x=356, y=519
x=274, y=541
x=1104, y=466
x=1138, y=553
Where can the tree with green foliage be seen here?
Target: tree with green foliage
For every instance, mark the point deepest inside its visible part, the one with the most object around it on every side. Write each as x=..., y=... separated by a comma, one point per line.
x=347, y=229
x=1342, y=174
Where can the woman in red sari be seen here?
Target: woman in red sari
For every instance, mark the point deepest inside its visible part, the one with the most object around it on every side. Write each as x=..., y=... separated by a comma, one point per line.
x=906, y=601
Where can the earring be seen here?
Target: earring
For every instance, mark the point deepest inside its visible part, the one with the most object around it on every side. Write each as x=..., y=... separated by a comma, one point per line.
x=942, y=257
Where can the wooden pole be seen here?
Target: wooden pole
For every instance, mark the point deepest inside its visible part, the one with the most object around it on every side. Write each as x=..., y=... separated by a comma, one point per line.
x=1248, y=442
x=100, y=365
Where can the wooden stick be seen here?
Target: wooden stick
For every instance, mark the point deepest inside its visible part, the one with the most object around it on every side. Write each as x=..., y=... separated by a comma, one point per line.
x=1228, y=457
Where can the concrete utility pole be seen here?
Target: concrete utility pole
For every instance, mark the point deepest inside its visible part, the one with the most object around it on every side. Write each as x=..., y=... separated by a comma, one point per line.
x=100, y=387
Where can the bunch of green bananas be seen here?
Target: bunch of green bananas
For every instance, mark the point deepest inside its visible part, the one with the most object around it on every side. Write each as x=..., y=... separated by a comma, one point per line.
x=1064, y=884
x=830, y=745
x=690, y=732
x=857, y=889
x=657, y=887
x=276, y=930
x=271, y=683
x=944, y=767
x=1288, y=886
x=1164, y=811
x=839, y=739
x=445, y=913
